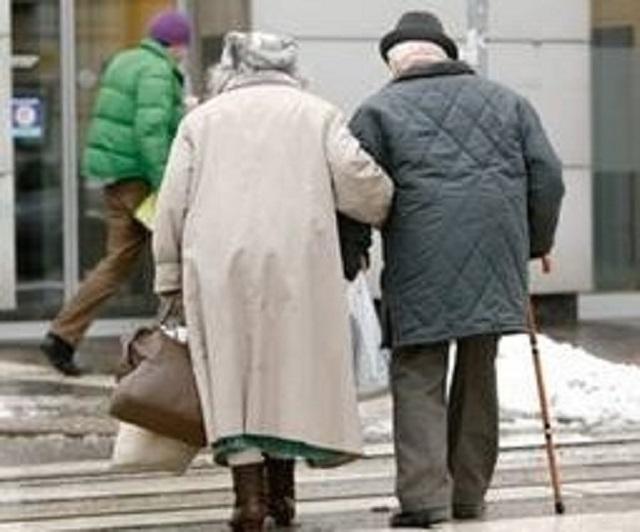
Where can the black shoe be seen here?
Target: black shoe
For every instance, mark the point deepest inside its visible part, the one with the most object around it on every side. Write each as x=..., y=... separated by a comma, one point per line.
x=60, y=355
x=468, y=511
x=419, y=519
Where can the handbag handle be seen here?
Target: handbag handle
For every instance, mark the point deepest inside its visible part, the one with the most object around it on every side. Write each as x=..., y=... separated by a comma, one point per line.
x=129, y=361
x=173, y=299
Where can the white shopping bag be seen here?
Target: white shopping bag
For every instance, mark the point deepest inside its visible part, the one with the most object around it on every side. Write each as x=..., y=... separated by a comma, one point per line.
x=371, y=362
x=137, y=450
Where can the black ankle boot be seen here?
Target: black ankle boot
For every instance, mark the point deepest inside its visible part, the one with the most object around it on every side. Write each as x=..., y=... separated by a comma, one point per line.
x=60, y=355
x=281, y=498
x=250, y=509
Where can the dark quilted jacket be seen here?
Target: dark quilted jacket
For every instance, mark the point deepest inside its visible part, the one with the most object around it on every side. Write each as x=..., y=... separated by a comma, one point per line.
x=478, y=189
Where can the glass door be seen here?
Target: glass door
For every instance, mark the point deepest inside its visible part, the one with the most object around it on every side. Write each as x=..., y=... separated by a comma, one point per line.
x=7, y=223
x=35, y=123
x=616, y=136
x=103, y=28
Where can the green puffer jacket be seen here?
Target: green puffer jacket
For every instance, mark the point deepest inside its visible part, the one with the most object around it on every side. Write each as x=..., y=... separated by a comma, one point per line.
x=135, y=117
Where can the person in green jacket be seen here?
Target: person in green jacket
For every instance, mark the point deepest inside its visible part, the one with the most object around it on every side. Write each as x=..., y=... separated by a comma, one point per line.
x=134, y=120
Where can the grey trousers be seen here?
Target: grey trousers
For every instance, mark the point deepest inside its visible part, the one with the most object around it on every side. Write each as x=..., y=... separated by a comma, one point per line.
x=446, y=451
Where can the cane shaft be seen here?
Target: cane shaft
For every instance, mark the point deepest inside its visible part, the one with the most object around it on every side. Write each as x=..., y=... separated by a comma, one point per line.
x=544, y=411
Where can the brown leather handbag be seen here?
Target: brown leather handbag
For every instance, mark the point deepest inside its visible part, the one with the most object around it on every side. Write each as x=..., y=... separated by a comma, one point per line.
x=156, y=387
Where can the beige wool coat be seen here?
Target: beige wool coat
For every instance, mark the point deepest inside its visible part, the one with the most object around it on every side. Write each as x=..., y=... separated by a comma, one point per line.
x=246, y=227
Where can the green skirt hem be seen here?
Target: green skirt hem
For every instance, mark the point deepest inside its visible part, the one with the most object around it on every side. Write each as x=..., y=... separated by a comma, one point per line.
x=315, y=456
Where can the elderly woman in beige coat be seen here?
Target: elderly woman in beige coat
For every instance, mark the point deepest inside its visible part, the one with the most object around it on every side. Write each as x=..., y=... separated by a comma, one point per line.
x=246, y=232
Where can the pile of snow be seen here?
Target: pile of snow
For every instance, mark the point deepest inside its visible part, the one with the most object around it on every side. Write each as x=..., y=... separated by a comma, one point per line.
x=584, y=392
x=581, y=388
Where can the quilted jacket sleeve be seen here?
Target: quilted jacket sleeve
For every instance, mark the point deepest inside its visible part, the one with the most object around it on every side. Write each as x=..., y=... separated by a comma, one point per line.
x=366, y=128
x=171, y=212
x=355, y=241
x=152, y=123
x=545, y=187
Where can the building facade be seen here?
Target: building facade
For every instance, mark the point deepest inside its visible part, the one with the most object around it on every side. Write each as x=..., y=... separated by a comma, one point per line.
x=576, y=60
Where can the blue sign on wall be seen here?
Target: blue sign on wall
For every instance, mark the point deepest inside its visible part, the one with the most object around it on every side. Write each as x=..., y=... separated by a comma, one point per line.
x=27, y=118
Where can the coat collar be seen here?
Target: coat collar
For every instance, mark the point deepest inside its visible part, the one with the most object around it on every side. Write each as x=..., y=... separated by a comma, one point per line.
x=265, y=77
x=432, y=70
x=156, y=48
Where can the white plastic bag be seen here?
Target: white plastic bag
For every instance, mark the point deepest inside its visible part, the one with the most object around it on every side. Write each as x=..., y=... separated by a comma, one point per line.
x=371, y=362
x=137, y=450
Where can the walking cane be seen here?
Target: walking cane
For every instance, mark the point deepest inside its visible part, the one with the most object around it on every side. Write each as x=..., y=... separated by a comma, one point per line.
x=544, y=408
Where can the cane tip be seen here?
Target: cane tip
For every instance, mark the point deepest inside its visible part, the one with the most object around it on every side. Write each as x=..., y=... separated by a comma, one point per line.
x=560, y=507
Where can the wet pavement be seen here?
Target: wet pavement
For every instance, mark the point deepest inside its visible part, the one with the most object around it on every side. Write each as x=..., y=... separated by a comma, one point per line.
x=56, y=437
x=46, y=417
x=615, y=340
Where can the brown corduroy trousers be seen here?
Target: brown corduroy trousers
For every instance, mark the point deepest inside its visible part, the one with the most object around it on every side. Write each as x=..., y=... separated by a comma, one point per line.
x=126, y=238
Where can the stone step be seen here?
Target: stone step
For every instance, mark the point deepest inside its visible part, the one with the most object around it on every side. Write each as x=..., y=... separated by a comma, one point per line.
x=76, y=495
x=514, y=452
x=201, y=509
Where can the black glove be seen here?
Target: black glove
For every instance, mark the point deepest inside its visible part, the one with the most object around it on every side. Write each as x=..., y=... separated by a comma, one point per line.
x=355, y=240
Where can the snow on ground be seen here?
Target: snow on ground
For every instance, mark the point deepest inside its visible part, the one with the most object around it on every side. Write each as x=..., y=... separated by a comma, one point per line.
x=585, y=393
x=580, y=387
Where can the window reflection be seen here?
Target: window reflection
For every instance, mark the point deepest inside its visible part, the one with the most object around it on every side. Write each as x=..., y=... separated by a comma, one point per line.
x=616, y=137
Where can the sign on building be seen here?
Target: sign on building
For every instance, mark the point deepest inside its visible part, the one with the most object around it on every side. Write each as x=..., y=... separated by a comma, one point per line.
x=27, y=118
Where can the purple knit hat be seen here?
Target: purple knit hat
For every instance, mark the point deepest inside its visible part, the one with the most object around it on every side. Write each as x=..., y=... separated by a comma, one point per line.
x=170, y=27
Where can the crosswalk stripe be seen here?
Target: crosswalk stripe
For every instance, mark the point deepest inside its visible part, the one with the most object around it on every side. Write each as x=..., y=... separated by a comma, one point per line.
x=88, y=496
x=575, y=451
x=335, y=505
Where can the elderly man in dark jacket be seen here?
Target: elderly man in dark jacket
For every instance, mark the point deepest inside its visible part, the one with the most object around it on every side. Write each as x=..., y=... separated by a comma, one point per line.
x=478, y=193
